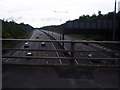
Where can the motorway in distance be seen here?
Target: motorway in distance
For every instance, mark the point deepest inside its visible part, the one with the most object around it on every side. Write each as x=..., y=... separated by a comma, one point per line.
x=36, y=45
x=41, y=35
x=84, y=47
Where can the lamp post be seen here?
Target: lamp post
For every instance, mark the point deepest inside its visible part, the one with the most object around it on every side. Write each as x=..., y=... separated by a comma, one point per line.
x=114, y=23
x=60, y=21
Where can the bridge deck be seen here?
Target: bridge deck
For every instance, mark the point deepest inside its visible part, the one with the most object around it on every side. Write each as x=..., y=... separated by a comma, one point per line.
x=59, y=77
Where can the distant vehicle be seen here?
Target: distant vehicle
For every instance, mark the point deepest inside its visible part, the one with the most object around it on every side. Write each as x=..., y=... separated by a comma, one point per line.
x=29, y=54
x=43, y=44
x=93, y=61
x=37, y=37
x=40, y=33
x=26, y=45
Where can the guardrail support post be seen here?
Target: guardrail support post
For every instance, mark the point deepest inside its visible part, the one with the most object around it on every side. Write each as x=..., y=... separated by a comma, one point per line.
x=72, y=53
x=63, y=39
x=113, y=56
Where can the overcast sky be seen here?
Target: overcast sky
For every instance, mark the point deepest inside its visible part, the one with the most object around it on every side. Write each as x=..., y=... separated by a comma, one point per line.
x=40, y=13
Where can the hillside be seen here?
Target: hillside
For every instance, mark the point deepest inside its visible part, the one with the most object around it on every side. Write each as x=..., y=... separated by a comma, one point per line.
x=13, y=30
x=96, y=27
x=16, y=31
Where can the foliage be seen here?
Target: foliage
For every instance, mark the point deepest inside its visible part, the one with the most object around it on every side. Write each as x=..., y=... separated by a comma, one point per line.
x=13, y=30
x=87, y=18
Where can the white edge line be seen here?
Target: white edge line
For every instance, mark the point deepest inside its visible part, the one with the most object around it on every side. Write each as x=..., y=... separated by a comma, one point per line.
x=75, y=59
x=57, y=54
x=17, y=51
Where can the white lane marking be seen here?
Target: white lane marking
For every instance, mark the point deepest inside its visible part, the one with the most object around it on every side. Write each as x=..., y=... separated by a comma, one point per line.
x=19, y=51
x=7, y=59
x=104, y=62
x=57, y=54
x=75, y=59
x=66, y=49
x=12, y=55
x=76, y=62
x=90, y=62
x=102, y=47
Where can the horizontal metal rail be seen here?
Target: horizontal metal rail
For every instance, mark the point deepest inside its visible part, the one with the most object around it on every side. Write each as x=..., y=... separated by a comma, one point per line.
x=72, y=42
x=65, y=41
x=59, y=50
x=66, y=58
x=67, y=65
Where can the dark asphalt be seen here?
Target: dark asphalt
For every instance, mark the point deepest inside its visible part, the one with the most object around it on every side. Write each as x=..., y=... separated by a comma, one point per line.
x=81, y=46
x=36, y=45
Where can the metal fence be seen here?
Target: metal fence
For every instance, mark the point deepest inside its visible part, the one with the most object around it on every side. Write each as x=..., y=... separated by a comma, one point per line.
x=72, y=52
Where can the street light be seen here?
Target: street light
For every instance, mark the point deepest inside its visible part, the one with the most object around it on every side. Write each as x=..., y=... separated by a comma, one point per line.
x=114, y=24
x=60, y=21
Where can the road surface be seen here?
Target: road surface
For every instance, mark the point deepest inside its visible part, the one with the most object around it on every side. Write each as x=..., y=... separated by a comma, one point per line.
x=89, y=47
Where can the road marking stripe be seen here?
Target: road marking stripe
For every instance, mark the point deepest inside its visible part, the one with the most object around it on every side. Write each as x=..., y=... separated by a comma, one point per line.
x=57, y=54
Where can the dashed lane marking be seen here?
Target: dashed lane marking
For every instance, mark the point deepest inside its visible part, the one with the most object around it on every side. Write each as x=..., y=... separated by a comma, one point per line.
x=57, y=54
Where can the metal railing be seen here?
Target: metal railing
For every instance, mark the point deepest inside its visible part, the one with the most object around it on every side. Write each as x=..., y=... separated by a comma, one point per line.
x=72, y=52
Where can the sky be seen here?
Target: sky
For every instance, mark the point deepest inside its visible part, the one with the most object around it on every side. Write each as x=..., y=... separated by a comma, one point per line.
x=38, y=13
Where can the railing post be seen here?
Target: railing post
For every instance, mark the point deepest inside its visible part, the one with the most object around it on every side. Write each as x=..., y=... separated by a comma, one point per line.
x=113, y=56
x=72, y=53
x=63, y=39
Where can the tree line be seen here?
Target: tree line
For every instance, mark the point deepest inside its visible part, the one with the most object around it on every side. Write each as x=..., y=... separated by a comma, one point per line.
x=87, y=18
x=13, y=30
